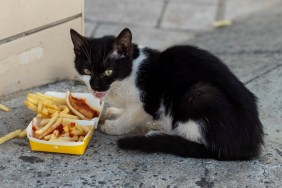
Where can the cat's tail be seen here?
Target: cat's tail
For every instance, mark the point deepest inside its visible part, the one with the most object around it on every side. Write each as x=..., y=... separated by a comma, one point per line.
x=174, y=145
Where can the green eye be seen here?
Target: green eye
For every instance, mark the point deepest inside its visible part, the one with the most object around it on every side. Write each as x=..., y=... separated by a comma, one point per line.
x=108, y=72
x=87, y=71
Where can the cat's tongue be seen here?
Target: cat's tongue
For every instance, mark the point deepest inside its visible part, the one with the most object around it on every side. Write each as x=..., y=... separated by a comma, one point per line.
x=99, y=94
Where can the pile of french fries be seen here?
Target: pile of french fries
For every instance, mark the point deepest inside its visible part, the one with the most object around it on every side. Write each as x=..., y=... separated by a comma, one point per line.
x=47, y=106
x=59, y=129
x=56, y=121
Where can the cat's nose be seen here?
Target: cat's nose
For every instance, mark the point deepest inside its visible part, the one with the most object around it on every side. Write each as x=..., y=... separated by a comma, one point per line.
x=96, y=86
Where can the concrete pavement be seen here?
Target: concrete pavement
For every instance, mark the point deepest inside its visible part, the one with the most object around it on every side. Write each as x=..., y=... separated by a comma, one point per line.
x=253, y=50
x=161, y=23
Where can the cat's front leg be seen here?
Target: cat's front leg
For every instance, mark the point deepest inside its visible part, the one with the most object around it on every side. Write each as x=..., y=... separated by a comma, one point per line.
x=113, y=113
x=126, y=122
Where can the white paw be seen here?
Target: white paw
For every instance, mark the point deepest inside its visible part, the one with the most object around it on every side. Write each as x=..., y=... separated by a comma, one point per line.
x=154, y=132
x=113, y=113
x=110, y=127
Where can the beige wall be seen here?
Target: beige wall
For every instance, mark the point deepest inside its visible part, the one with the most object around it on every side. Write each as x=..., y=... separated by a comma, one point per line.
x=35, y=45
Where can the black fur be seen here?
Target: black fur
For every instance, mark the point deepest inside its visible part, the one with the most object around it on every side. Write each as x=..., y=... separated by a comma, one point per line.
x=92, y=54
x=191, y=84
x=168, y=144
x=195, y=85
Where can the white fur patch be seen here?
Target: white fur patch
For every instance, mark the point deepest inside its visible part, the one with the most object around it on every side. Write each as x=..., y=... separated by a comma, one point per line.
x=86, y=80
x=137, y=62
x=115, y=55
x=190, y=130
x=113, y=113
x=165, y=120
x=124, y=94
x=154, y=132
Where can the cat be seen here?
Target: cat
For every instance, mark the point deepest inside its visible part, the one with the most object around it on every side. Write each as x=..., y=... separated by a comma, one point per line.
x=203, y=108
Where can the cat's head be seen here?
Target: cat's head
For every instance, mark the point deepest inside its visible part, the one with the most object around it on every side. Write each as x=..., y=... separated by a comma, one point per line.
x=101, y=61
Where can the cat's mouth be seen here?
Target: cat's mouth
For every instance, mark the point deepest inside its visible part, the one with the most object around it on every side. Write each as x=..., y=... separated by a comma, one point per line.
x=99, y=94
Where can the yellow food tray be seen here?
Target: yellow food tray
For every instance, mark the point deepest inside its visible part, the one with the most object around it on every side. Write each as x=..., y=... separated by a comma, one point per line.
x=62, y=147
x=77, y=148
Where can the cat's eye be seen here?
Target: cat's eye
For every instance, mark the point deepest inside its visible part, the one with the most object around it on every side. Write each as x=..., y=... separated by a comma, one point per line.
x=87, y=71
x=108, y=72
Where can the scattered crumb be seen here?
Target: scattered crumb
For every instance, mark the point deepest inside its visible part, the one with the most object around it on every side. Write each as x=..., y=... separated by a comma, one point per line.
x=4, y=108
x=222, y=23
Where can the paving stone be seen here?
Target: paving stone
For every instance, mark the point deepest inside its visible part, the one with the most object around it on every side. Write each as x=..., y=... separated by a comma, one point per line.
x=103, y=164
x=155, y=38
x=198, y=2
x=257, y=41
x=247, y=67
x=268, y=89
x=245, y=37
x=238, y=8
x=138, y=12
x=188, y=16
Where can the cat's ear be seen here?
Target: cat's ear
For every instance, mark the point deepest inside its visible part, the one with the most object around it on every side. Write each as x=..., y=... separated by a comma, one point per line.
x=123, y=43
x=78, y=42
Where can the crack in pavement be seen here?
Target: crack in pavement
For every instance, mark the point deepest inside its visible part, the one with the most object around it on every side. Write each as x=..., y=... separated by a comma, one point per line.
x=254, y=52
x=262, y=74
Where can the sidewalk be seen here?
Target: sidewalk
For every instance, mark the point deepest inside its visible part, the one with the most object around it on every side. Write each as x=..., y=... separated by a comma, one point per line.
x=161, y=23
x=252, y=48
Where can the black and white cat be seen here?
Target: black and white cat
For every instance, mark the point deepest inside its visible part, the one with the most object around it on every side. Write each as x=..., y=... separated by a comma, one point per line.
x=204, y=110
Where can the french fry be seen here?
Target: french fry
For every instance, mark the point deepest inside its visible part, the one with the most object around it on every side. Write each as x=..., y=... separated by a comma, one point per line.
x=4, y=108
x=47, y=137
x=51, y=122
x=54, y=99
x=44, y=112
x=10, y=136
x=67, y=121
x=73, y=138
x=32, y=100
x=54, y=135
x=39, y=115
x=222, y=23
x=77, y=132
x=50, y=110
x=46, y=101
x=78, y=127
x=81, y=138
x=64, y=109
x=44, y=122
x=86, y=128
x=50, y=105
x=22, y=134
x=39, y=107
x=30, y=106
x=66, y=128
x=50, y=129
x=63, y=135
